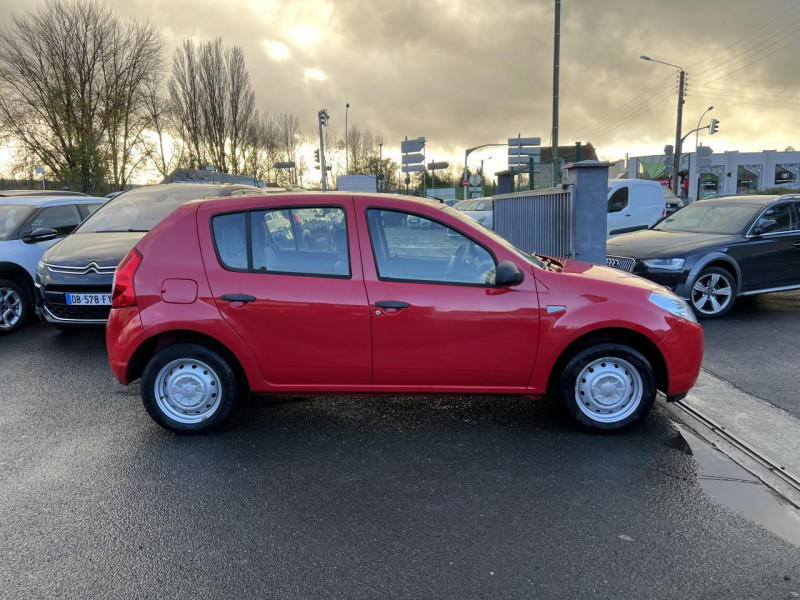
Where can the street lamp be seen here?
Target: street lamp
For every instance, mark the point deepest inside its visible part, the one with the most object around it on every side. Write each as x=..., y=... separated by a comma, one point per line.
x=696, y=143
x=681, y=87
x=469, y=151
x=346, y=161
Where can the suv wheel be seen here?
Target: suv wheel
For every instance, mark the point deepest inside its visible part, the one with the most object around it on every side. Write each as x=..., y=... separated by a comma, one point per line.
x=188, y=388
x=608, y=387
x=713, y=293
x=14, y=306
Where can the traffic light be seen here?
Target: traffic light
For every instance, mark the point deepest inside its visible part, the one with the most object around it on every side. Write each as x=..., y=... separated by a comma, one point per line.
x=669, y=159
x=316, y=156
x=714, y=127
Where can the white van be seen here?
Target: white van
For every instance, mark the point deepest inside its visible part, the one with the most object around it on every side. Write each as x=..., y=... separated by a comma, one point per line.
x=634, y=204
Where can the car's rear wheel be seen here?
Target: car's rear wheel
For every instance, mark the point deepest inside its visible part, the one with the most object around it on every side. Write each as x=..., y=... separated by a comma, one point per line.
x=188, y=388
x=608, y=387
x=713, y=293
x=14, y=306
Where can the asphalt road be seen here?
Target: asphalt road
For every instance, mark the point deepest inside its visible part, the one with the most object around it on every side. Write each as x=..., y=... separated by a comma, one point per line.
x=349, y=498
x=755, y=347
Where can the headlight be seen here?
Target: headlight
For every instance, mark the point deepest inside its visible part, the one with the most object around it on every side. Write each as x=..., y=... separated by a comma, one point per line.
x=674, y=305
x=40, y=266
x=665, y=264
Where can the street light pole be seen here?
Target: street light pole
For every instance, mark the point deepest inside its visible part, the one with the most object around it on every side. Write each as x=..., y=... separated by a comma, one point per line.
x=469, y=151
x=556, y=65
x=678, y=140
x=696, y=143
x=346, y=161
x=323, y=121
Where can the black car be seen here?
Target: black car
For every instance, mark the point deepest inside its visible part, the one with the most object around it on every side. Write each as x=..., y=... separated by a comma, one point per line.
x=712, y=252
x=75, y=276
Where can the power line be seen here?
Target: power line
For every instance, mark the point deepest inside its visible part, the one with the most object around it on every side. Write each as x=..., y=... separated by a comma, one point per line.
x=748, y=102
x=605, y=128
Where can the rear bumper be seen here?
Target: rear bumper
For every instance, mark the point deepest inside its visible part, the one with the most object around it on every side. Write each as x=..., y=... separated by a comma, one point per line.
x=124, y=335
x=682, y=349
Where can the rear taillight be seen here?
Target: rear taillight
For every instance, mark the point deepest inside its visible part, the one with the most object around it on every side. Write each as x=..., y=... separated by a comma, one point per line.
x=124, y=295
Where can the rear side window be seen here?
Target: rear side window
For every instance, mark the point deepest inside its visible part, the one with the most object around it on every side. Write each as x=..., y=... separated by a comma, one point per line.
x=289, y=241
x=230, y=237
x=618, y=200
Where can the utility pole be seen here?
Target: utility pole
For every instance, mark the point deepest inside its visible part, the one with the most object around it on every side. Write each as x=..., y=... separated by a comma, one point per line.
x=346, y=159
x=676, y=178
x=556, y=61
x=323, y=121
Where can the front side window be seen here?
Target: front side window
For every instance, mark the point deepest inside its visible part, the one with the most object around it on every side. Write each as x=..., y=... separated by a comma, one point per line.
x=618, y=200
x=291, y=241
x=11, y=216
x=779, y=218
x=435, y=253
x=63, y=219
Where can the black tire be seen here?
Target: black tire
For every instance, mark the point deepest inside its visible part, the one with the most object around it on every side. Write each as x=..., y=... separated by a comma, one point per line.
x=225, y=385
x=20, y=298
x=628, y=415
x=704, y=308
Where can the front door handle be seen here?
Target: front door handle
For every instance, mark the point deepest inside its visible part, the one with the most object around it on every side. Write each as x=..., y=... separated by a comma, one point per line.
x=391, y=304
x=238, y=298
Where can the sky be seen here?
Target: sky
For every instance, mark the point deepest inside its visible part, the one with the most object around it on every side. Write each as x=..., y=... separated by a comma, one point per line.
x=469, y=72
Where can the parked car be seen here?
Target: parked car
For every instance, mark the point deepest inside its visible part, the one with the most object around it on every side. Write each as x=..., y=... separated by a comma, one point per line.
x=207, y=306
x=673, y=202
x=29, y=225
x=37, y=193
x=74, y=278
x=634, y=204
x=480, y=209
x=714, y=251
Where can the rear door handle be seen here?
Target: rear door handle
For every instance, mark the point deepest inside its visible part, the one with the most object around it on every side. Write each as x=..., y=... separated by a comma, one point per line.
x=238, y=298
x=391, y=304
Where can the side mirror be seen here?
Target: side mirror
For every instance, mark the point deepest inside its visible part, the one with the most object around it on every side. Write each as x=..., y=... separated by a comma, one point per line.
x=507, y=273
x=42, y=234
x=764, y=225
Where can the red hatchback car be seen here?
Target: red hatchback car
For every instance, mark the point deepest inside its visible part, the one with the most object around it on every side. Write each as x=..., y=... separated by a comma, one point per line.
x=334, y=294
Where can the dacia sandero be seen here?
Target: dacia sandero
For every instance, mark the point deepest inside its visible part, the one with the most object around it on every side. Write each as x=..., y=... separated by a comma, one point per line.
x=309, y=293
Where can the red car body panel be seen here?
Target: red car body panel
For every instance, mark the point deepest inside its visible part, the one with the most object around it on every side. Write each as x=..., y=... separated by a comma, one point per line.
x=311, y=334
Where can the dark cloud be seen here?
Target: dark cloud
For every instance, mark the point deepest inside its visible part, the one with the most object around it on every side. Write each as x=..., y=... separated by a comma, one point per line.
x=464, y=72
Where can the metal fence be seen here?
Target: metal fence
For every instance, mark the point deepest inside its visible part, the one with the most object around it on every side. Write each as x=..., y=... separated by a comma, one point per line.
x=537, y=221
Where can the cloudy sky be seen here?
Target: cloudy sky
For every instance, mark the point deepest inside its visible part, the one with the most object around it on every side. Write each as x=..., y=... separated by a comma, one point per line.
x=467, y=72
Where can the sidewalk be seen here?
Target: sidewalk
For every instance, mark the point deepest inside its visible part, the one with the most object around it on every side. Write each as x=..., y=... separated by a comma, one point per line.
x=770, y=430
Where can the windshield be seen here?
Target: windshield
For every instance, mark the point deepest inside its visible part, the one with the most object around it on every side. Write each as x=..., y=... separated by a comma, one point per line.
x=477, y=204
x=142, y=209
x=531, y=258
x=11, y=216
x=725, y=218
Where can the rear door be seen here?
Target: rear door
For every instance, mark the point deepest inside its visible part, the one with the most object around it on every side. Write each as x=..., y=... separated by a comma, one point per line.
x=288, y=280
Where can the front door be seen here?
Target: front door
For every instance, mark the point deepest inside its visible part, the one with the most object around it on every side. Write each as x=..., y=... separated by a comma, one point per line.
x=288, y=280
x=438, y=323
x=773, y=258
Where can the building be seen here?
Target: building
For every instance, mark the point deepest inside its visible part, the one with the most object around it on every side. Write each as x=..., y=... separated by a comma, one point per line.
x=730, y=172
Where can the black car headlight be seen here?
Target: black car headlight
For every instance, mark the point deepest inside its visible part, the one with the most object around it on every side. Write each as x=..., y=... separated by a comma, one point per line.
x=665, y=264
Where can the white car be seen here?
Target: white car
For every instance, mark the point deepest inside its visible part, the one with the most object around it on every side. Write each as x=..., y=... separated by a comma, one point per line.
x=29, y=226
x=480, y=209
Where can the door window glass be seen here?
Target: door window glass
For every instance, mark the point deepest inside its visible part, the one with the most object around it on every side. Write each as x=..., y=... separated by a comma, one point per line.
x=61, y=218
x=618, y=200
x=90, y=208
x=230, y=238
x=310, y=241
x=432, y=252
x=784, y=215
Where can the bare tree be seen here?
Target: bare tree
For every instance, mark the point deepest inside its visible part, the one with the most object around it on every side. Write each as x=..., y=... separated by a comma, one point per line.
x=164, y=147
x=70, y=75
x=184, y=91
x=289, y=138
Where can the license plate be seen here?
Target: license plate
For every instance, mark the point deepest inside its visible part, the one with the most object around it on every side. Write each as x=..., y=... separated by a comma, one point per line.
x=88, y=299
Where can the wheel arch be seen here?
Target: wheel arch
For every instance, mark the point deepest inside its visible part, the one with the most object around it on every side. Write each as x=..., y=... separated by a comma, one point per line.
x=715, y=259
x=17, y=273
x=162, y=340
x=615, y=335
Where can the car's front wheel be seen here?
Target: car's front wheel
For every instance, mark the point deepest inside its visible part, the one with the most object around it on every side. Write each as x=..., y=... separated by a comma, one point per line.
x=608, y=387
x=713, y=293
x=188, y=388
x=14, y=306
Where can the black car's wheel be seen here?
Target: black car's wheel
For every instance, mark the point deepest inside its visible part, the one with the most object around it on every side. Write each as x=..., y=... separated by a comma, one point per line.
x=608, y=387
x=188, y=388
x=713, y=293
x=14, y=306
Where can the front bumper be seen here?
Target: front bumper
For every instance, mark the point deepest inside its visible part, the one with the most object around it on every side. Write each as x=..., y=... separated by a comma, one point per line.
x=682, y=349
x=51, y=305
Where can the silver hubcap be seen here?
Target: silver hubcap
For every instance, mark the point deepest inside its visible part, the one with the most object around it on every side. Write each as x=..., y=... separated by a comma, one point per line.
x=711, y=293
x=608, y=390
x=187, y=391
x=10, y=308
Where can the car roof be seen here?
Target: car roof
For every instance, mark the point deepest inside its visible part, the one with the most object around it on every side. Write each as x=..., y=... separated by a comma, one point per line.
x=745, y=199
x=50, y=200
x=333, y=196
x=23, y=193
